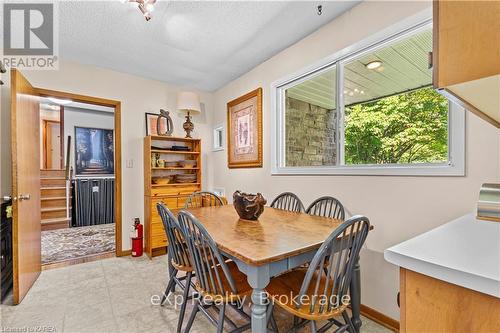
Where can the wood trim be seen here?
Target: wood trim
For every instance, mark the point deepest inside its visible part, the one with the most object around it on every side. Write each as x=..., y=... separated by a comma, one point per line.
x=76, y=261
x=402, y=300
x=248, y=164
x=379, y=318
x=118, y=150
x=463, y=103
x=435, y=43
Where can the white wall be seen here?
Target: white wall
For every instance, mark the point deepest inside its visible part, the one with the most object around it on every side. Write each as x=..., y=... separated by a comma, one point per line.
x=137, y=96
x=398, y=207
x=83, y=118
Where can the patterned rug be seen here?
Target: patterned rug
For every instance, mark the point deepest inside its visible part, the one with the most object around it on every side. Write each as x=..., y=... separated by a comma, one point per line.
x=70, y=243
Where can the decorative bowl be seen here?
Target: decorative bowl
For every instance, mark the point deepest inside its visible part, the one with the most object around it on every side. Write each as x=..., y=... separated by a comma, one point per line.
x=248, y=206
x=161, y=180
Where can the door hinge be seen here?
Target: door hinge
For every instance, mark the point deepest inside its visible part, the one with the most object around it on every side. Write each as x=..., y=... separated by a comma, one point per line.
x=429, y=60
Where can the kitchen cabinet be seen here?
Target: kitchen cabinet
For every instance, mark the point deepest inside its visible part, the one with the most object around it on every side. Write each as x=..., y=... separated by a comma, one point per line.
x=466, y=55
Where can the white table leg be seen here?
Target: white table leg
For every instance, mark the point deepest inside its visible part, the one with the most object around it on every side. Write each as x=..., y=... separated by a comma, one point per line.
x=258, y=278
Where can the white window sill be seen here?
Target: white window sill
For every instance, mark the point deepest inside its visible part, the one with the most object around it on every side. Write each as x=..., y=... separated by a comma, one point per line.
x=374, y=170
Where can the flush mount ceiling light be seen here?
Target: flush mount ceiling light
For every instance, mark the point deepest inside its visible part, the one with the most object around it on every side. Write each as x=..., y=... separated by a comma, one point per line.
x=374, y=64
x=145, y=6
x=60, y=101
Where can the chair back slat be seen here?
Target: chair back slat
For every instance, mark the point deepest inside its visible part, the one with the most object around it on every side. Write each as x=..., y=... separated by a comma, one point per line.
x=210, y=266
x=177, y=246
x=329, y=274
x=288, y=201
x=203, y=199
x=327, y=207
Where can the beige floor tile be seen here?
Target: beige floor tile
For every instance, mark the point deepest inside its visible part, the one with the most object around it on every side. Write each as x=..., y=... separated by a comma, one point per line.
x=112, y=295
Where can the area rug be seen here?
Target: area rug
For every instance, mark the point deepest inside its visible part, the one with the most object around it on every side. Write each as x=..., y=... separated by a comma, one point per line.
x=71, y=243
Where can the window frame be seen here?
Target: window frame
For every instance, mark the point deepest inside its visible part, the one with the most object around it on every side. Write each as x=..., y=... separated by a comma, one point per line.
x=455, y=166
x=216, y=145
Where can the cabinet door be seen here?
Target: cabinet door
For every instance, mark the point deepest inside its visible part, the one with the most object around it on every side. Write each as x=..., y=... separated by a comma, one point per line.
x=466, y=41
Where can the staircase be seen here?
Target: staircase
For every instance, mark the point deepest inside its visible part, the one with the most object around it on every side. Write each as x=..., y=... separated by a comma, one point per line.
x=55, y=201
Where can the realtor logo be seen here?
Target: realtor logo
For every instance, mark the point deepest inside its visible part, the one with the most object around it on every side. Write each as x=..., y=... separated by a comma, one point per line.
x=29, y=35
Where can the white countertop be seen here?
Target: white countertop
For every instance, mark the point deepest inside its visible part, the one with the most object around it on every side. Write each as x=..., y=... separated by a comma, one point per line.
x=465, y=252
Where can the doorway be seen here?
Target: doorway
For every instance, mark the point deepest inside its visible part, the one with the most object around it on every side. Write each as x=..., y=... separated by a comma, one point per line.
x=77, y=201
x=51, y=144
x=24, y=202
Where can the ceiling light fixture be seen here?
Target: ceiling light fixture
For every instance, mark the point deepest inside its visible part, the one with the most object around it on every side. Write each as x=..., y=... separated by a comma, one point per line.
x=60, y=101
x=145, y=6
x=374, y=64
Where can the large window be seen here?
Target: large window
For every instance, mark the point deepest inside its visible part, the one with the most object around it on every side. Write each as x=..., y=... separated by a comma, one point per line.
x=372, y=111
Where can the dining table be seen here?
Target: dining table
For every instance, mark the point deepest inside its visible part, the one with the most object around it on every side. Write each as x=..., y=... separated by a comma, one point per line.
x=278, y=241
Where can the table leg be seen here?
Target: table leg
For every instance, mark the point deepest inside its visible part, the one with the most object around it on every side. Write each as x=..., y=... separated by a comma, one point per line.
x=258, y=278
x=355, y=290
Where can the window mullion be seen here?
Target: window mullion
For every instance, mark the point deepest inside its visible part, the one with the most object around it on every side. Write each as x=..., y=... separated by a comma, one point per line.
x=340, y=113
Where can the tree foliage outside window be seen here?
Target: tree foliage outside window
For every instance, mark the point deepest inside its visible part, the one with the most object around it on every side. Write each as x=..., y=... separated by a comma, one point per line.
x=411, y=127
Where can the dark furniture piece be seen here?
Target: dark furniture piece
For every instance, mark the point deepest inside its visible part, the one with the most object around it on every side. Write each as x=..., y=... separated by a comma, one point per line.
x=288, y=201
x=203, y=199
x=327, y=207
x=321, y=292
x=219, y=281
x=5, y=251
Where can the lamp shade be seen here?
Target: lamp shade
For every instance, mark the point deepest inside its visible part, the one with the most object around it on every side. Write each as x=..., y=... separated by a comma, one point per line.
x=188, y=101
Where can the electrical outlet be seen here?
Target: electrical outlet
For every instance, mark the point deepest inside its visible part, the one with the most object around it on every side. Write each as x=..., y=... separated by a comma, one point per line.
x=129, y=163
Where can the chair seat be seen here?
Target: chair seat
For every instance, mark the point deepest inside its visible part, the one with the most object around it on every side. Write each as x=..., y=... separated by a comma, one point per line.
x=240, y=279
x=283, y=288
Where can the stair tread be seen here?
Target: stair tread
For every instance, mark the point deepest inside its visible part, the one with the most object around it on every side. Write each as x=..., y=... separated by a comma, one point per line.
x=55, y=220
x=54, y=198
x=53, y=209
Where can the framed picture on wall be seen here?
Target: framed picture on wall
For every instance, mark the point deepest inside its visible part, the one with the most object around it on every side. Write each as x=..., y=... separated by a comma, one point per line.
x=94, y=151
x=244, y=131
x=151, y=121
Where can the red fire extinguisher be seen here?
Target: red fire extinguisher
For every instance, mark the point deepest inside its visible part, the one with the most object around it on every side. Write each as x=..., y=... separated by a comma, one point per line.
x=137, y=236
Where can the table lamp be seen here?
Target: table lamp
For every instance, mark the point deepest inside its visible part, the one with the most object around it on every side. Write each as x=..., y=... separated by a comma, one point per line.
x=188, y=102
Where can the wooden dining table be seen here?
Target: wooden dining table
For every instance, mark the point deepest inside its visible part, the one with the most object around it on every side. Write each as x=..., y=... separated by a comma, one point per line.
x=279, y=241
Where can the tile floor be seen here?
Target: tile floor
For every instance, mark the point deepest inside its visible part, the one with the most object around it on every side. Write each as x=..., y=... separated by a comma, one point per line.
x=111, y=295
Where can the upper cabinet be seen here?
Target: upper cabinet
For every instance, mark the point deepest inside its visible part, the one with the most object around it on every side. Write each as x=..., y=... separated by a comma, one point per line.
x=466, y=55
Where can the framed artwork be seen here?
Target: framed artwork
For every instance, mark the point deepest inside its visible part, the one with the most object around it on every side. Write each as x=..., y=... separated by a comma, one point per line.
x=244, y=131
x=151, y=124
x=94, y=151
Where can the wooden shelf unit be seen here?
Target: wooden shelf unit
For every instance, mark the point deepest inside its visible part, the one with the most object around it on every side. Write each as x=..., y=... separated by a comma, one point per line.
x=174, y=195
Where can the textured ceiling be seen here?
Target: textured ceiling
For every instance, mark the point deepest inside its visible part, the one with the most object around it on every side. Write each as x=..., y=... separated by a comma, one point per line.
x=197, y=44
x=404, y=67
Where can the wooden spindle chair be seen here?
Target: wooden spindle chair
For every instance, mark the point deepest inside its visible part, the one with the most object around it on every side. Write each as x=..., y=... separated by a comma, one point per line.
x=178, y=257
x=288, y=201
x=218, y=279
x=203, y=199
x=323, y=295
x=327, y=207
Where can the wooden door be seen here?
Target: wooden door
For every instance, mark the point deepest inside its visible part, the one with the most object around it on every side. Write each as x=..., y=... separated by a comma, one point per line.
x=25, y=136
x=51, y=144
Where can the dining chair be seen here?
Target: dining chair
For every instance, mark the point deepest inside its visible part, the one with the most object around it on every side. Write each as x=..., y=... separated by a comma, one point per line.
x=327, y=207
x=178, y=259
x=315, y=294
x=219, y=281
x=288, y=201
x=203, y=199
